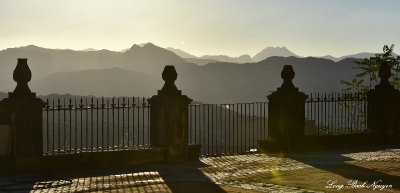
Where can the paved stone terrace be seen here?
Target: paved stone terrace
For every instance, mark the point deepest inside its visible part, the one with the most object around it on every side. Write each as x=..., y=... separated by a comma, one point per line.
x=328, y=171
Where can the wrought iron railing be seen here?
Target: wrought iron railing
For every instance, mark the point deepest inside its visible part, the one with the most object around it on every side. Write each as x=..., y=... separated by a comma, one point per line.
x=76, y=125
x=227, y=128
x=336, y=113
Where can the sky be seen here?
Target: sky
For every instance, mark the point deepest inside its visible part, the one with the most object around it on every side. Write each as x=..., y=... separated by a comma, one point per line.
x=228, y=27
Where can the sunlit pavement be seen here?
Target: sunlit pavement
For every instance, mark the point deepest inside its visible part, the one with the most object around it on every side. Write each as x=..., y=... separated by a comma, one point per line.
x=295, y=172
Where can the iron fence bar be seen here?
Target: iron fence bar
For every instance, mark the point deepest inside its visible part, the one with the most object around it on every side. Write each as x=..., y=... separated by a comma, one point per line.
x=102, y=123
x=341, y=112
x=91, y=106
x=365, y=110
x=245, y=127
x=329, y=117
x=70, y=123
x=195, y=124
x=221, y=139
x=230, y=135
x=97, y=124
x=133, y=121
x=351, y=105
x=324, y=113
x=81, y=121
x=335, y=113
x=123, y=122
x=238, y=129
x=148, y=123
x=76, y=125
x=138, y=121
x=58, y=125
x=64, y=128
x=87, y=125
x=253, y=126
x=208, y=129
x=47, y=126
x=225, y=136
x=346, y=113
x=143, y=106
x=213, y=138
x=260, y=125
x=331, y=113
x=358, y=110
x=231, y=126
x=118, y=124
x=310, y=106
x=317, y=113
x=128, y=117
x=258, y=122
x=190, y=125
x=113, y=123
x=265, y=121
x=204, y=130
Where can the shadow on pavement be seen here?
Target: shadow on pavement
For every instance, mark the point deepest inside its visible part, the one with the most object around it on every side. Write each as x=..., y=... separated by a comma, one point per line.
x=176, y=178
x=335, y=162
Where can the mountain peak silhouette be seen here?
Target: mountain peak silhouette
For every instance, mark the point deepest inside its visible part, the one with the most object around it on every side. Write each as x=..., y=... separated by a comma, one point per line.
x=133, y=47
x=148, y=58
x=149, y=44
x=273, y=51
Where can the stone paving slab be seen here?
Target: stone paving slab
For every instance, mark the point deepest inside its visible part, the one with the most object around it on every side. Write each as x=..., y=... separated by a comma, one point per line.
x=296, y=172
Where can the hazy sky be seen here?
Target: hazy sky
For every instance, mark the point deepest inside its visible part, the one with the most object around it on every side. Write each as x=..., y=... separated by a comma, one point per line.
x=232, y=27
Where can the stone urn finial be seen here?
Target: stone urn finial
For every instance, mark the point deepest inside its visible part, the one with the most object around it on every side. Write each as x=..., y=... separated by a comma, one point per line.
x=169, y=75
x=384, y=73
x=22, y=75
x=287, y=75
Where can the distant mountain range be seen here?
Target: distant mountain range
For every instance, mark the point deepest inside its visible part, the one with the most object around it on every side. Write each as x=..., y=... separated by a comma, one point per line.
x=262, y=55
x=359, y=55
x=211, y=83
x=137, y=72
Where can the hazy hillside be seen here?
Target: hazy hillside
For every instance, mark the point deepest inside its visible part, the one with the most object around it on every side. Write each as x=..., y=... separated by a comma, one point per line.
x=360, y=55
x=147, y=58
x=245, y=58
x=212, y=83
x=137, y=72
x=222, y=58
x=181, y=53
x=199, y=61
x=102, y=82
x=227, y=82
x=44, y=62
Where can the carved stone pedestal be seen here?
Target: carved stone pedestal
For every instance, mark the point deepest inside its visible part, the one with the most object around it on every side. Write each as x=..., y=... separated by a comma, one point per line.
x=384, y=108
x=286, y=116
x=23, y=113
x=169, y=120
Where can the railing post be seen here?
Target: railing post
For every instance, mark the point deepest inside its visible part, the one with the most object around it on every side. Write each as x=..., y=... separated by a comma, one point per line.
x=383, y=114
x=286, y=112
x=169, y=120
x=23, y=113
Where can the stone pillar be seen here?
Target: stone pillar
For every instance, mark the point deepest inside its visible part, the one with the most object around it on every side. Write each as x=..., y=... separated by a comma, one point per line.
x=286, y=116
x=169, y=119
x=23, y=112
x=383, y=114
